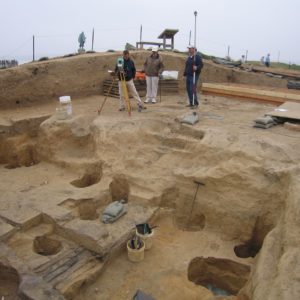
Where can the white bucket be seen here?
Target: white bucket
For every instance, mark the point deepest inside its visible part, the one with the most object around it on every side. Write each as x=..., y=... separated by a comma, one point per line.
x=64, y=111
x=135, y=255
x=146, y=238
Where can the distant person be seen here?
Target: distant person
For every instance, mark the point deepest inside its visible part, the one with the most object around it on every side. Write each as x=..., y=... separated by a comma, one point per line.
x=128, y=68
x=262, y=61
x=243, y=59
x=193, y=66
x=267, y=60
x=81, y=40
x=153, y=68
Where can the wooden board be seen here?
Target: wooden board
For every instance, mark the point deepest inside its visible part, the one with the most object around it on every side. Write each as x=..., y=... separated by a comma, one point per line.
x=288, y=110
x=276, y=71
x=249, y=93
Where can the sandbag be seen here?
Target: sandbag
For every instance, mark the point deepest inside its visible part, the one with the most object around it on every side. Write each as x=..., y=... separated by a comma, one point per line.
x=191, y=118
x=293, y=85
x=113, y=212
x=264, y=126
x=264, y=120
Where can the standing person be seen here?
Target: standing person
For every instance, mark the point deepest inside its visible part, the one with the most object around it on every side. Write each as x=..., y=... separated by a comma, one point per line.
x=262, y=60
x=153, y=68
x=267, y=61
x=193, y=65
x=129, y=70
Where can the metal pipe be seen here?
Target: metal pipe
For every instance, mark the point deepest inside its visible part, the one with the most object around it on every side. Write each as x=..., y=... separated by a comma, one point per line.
x=194, y=75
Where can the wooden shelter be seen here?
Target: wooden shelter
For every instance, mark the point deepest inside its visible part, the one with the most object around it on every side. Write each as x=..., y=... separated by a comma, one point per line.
x=166, y=34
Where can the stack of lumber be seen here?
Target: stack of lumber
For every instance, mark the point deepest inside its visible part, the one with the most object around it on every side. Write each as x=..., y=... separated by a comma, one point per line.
x=166, y=87
x=249, y=93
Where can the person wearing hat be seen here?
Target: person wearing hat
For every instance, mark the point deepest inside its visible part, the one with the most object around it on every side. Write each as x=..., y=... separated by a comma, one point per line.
x=193, y=67
x=129, y=71
x=153, y=68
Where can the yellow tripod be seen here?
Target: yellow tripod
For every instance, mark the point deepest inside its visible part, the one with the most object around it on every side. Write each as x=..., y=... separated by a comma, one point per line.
x=125, y=92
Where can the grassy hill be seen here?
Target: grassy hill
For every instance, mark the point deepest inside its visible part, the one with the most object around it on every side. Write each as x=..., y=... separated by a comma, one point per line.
x=278, y=65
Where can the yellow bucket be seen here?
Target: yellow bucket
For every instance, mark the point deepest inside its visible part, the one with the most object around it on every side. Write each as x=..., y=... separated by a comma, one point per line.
x=135, y=255
x=146, y=238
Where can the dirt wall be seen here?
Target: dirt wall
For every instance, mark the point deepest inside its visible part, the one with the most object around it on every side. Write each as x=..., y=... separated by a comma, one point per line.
x=82, y=75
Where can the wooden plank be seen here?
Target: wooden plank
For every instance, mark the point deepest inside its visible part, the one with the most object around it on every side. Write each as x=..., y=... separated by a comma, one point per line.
x=57, y=259
x=288, y=110
x=249, y=93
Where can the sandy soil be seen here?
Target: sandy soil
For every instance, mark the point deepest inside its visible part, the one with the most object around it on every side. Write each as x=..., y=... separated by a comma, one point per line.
x=58, y=175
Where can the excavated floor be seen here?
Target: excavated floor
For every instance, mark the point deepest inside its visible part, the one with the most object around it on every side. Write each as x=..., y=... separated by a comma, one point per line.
x=57, y=176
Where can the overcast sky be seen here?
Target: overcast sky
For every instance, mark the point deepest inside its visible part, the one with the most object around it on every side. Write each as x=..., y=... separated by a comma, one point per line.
x=259, y=26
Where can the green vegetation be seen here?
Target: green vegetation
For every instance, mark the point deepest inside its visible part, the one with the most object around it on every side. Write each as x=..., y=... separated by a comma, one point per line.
x=206, y=56
x=44, y=58
x=278, y=65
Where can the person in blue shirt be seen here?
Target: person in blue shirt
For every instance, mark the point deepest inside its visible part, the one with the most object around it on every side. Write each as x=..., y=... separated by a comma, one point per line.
x=193, y=66
x=267, y=60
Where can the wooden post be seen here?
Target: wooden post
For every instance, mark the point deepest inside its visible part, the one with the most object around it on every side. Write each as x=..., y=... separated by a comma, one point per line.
x=33, y=50
x=93, y=40
x=141, y=33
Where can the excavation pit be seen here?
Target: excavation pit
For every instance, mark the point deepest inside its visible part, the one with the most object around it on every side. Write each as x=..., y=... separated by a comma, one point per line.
x=246, y=250
x=20, y=156
x=46, y=246
x=87, y=209
x=86, y=180
x=151, y=162
x=119, y=188
x=221, y=276
x=9, y=282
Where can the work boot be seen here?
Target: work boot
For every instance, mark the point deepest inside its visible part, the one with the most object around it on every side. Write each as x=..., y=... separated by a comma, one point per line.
x=141, y=107
x=122, y=108
x=153, y=100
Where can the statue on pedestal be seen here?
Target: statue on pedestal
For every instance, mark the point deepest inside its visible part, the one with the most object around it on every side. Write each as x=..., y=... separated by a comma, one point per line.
x=81, y=40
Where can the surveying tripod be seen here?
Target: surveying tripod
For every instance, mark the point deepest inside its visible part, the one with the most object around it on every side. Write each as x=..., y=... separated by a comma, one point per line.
x=124, y=90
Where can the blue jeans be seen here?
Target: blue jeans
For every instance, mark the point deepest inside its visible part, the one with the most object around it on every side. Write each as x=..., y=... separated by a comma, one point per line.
x=191, y=89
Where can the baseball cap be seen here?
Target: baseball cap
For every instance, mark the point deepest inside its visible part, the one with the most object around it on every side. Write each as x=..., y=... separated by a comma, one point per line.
x=154, y=49
x=190, y=46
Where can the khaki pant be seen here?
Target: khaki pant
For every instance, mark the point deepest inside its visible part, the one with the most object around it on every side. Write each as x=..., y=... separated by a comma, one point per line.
x=152, y=86
x=131, y=91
